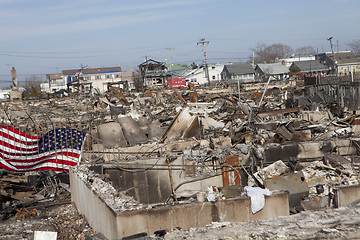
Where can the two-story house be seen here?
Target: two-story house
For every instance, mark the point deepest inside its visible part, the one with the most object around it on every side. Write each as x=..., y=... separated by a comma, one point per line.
x=96, y=78
x=343, y=62
x=154, y=73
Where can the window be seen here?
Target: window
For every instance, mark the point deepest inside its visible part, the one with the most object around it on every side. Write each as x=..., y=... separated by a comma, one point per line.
x=117, y=76
x=98, y=77
x=107, y=76
x=213, y=77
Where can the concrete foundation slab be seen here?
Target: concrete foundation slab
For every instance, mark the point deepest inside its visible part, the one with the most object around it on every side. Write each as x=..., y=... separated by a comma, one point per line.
x=118, y=224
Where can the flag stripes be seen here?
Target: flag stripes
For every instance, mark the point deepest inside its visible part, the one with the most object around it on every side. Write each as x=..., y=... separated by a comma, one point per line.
x=56, y=150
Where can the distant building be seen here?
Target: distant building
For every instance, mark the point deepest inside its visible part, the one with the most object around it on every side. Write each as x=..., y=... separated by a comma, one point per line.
x=86, y=79
x=344, y=61
x=5, y=93
x=276, y=71
x=238, y=71
x=90, y=78
x=55, y=82
x=130, y=77
x=288, y=61
x=309, y=68
x=198, y=76
x=154, y=73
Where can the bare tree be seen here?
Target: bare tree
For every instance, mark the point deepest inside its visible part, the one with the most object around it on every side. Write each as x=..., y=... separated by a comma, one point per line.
x=306, y=51
x=272, y=53
x=355, y=46
x=32, y=87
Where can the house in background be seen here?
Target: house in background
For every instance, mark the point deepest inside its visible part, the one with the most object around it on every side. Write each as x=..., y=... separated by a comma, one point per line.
x=276, y=71
x=154, y=73
x=54, y=83
x=91, y=78
x=242, y=72
x=198, y=75
x=309, y=68
x=131, y=77
x=288, y=61
x=345, y=62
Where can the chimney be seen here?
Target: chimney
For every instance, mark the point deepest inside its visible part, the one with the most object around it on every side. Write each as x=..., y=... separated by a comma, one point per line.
x=14, y=79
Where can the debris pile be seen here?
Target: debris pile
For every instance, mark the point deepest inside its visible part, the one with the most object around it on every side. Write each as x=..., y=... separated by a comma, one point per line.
x=118, y=201
x=166, y=146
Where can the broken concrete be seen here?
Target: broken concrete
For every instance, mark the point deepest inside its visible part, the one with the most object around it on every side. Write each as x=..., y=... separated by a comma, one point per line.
x=118, y=224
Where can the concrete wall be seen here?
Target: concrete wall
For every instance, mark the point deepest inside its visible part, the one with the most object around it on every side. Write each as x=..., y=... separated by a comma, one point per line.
x=100, y=216
x=115, y=225
x=153, y=185
x=345, y=195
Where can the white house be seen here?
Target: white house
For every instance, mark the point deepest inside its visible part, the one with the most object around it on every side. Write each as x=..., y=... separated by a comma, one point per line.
x=288, y=61
x=55, y=82
x=198, y=75
x=96, y=78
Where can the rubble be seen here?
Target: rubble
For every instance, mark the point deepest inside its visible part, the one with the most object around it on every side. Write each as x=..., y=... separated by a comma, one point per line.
x=342, y=223
x=173, y=145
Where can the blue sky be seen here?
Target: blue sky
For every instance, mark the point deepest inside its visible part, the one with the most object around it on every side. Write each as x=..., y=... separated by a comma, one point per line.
x=39, y=37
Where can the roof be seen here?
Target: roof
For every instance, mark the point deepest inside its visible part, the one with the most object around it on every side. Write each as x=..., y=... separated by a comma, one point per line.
x=239, y=68
x=92, y=70
x=152, y=61
x=310, y=66
x=345, y=57
x=273, y=68
x=54, y=76
x=183, y=72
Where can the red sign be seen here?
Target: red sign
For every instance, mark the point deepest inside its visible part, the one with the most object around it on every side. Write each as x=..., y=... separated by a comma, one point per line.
x=176, y=83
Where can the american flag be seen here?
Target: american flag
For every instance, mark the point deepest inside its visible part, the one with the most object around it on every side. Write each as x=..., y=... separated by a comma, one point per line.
x=56, y=150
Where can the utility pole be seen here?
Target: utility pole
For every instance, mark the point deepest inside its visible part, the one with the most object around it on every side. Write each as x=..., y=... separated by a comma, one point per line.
x=170, y=56
x=332, y=50
x=203, y=42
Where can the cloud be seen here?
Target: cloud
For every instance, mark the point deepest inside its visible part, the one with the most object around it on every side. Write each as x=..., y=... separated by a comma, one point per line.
x=81, y=16
x=84, y=25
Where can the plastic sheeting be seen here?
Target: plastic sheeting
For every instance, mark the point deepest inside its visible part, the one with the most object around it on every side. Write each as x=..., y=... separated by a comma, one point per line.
x=257, y=196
